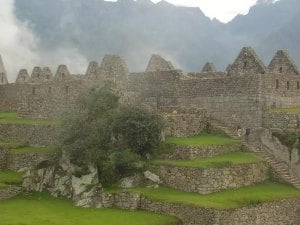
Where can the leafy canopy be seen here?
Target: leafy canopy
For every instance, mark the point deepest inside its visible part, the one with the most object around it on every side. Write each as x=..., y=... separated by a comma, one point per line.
x=113, y=136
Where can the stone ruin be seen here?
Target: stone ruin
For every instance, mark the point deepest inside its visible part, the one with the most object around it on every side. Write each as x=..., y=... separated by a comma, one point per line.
x=242, y=91
x=282, y=63
x=3, y=75
x=62, y=73
x=209, y=67
x=237, y=97
x=92, y=70
x=114, y=68
x=23, y=77
x=157, y=63
x=247, y=62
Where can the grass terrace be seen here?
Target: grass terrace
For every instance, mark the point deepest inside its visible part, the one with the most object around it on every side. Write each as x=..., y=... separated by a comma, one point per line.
x=29, y=149
x=286, y=110
x=201, y=140
x=13, y=118
x=228, y=199
x=9, y=177
x=40, y=208
x=21, y=148
x=11, y=144
x=233, y=158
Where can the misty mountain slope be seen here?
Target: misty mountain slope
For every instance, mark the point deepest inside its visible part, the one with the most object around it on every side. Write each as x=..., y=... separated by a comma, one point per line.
x=137, y=29
x=265, y=17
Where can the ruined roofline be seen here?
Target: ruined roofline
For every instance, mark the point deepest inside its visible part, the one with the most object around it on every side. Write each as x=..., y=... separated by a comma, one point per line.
x=3, y=74
x=209, y=67
x=247, y=62
x=157, y=64
x=282, y=63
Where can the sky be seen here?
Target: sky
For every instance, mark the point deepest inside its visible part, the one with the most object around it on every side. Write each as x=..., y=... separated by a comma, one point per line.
x=19, y=47
x=223, y=10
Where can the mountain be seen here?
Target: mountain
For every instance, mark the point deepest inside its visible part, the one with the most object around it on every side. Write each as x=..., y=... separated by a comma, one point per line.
x=137, y=29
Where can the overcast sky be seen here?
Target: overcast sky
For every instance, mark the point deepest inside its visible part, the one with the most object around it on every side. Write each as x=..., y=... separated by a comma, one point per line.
x=224, y=10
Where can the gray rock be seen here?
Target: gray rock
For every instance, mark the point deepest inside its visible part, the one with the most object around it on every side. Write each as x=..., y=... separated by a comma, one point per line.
x=151, y=176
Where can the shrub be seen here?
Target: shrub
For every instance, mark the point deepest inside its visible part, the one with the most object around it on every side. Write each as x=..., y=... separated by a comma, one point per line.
x=113, y=137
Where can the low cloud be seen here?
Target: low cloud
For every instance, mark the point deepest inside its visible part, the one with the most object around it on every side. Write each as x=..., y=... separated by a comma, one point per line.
x=19, y=46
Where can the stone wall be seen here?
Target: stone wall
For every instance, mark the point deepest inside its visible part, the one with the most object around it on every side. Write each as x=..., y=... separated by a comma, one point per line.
x=184, y=123
x=234, y=100
x=210, y=180
x=3, y=157
x=157, y=88
x=285, y=121
x=247, y=62
x=31, y=134
x=194, y=152
x=280, y=152
x=280, y=213
x=9, y=192
x=9, y=99
x=51, y=99
x=16, y=161
x=280, y=90
x=126, y=200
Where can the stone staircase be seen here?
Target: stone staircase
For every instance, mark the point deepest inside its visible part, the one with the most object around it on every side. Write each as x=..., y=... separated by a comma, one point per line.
x=279, y=167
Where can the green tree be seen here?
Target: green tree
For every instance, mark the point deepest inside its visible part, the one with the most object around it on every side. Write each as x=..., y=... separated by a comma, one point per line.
x=112, y=136
x=138, y=129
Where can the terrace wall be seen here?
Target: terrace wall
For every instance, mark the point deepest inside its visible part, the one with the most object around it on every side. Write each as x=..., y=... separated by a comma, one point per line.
x=194, y=152
x=281, y=120
x=182, y=122
x=3, y=157
x=31, y=134
x=16, y=161
x=259, y=214
x=210, y=180
x=9, y=192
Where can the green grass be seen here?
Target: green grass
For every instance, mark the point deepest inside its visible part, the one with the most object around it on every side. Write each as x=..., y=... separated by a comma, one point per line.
x=9, y=177
x=286, y=110
x=11, y=144
x=29, y=149
x=228, y=199
x=224, y=160
x=201, y=140
x=41, y=209
x=17, y=147
x=13, y=118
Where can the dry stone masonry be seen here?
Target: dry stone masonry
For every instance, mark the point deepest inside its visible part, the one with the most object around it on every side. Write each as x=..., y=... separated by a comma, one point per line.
x=239, y=96
x=211, y=180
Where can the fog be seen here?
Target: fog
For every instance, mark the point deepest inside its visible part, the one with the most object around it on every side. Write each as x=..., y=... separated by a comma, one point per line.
x=20, y=47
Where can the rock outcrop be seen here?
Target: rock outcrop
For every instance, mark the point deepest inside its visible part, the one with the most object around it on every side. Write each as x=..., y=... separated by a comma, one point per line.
x=63, y=179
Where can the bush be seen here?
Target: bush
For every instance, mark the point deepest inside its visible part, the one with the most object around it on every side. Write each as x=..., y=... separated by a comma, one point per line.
x=138, y=129
x=113, y=137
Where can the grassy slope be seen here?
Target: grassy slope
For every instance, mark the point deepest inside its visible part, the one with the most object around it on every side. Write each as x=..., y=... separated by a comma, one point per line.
x=29, y=149
x=9, y=177
x=286, y=110
x=11, y=144
x=201, y=140
x=20, y=148
x=228, y=199
x=42, y=209
x=12, y=118
x=232, y=158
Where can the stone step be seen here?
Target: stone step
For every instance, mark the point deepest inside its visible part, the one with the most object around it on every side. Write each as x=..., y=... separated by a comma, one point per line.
x=278, y=167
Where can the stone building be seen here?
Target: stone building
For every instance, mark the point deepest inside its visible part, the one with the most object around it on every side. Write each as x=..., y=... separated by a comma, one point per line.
x=238, y=96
